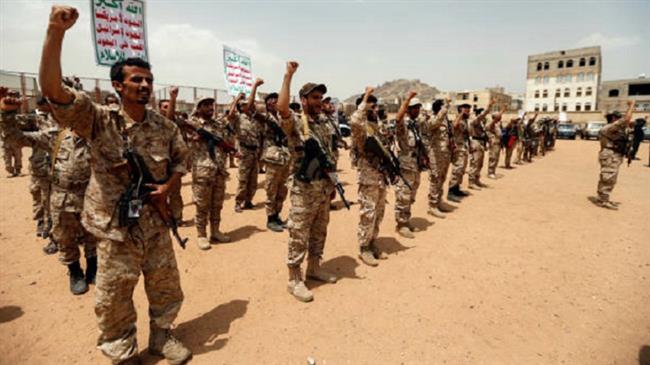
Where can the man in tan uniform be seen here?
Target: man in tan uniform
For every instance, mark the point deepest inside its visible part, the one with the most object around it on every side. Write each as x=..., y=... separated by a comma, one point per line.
x=412, y=154
x=493, y=130
x=167, y=108
x=439, y=158
x=310, y=195
x=209, y=174
x=372, y=182
x=11, y=149
x=249, y=137
x=133, y=238
x=477, y=144
x=613, y=149
x=460, y=139
x=276, y=157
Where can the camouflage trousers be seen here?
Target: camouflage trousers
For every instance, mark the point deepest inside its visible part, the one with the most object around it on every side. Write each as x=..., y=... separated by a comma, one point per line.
x=372, y=200
x=39, y=187
x=439, y=166
x=248, y=170
x=405, y=197
x=509, y=151
x=529, y=150
x=610, y=161
x=308, y=219
x=176, y=202
x=476, y=162
x=520, y=150
x=494, y=151
x=13, y=156
x=275, y=185
x=459, y=165
x=119, y=268
x=209, y=190
x=68, y=232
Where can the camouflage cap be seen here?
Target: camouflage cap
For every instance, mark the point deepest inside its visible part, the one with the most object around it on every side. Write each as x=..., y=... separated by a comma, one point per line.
x=415, y=102
x=311, y=86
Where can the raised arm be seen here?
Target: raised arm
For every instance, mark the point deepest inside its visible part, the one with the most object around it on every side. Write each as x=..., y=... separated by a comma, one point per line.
x=251, y=98
x=285, y=92
x=173, y=95
x=359, y=116
x=404, y=107
x=442, y=114
x=485, y=112
x=50, y=76
x=232, y=111
x=630, y=111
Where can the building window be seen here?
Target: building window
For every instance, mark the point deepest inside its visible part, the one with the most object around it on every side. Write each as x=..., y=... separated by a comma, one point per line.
x=536, y=107
x=546, y=80
x=588, y=91
x=613, y=93
x=536, y=94
x=590, y=76
x=569, y=63
x=545, y=93
x=568, y=78
x=567, y=92
x=556, y=107
x=580, y=77
x=539, y=66
x=558, y=93
x=560, y=64
x=592, y=61
x=578, y=107
x=579, y=91
x=639, y=89
x=475, y=98
x=538, y=80
x=544, y=108
x=546, y=65
x=582, y=62
x=587, y=107
x=564, y=107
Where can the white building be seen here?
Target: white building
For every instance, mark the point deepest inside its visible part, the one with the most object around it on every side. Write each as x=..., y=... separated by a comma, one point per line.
x=564, y=80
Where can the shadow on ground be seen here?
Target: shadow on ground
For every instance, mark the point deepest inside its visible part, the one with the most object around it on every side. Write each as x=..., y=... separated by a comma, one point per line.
x=9, y=313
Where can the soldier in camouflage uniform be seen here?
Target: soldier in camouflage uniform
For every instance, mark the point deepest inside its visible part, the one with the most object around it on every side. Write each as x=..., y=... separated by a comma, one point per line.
x=40, y=166
x=509, y=139
x=209, y=175
x=249, y=137
x=439, y=158
x=276, y=157
x=493, y=130
x=614, y=145
x=12, y=150
x=167, y=108
x=143, y=244
x=410, y=146
x=460, y=139
x=310, y=200
x=365, y=124
x=478, y=145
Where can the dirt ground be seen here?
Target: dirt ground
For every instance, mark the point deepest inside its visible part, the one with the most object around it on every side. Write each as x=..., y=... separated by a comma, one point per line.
x=525, y=272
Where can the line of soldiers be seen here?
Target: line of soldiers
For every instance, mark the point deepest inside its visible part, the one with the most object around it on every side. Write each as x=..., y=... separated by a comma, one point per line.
x=116, y=177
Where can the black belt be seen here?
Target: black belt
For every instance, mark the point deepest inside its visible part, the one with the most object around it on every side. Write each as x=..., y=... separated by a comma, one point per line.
x=248, y=146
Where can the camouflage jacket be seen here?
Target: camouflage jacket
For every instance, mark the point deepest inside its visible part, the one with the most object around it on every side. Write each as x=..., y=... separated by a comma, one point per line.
x=276, y=149
x=406, y=142
x=367, y=166
x=300, y=127
x=202, y=163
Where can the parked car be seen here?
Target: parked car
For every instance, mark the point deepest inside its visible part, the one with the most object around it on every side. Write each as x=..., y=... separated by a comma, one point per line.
x=580, y=129
x=646, y=133
x=592, y=130
x=567, y=130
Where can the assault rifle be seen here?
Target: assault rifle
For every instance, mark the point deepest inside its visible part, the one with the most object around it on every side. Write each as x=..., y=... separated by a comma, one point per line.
x=279, y=137
x=421, y=151
x=213, y=141
x=315, y=162
x=137, y=194
x=388, y=163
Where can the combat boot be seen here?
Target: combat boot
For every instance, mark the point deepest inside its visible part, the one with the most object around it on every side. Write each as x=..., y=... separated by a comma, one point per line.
x=273, y=224
x=474, y=186
x=280, y=221
x=436, y=213
x=316, y=272
x=203, y=243
x=492, y=176
x=404, y=231
x=453, y=196
x=379, y=255
x=163, y=343
x=297, y=287
x=479, y=183
x=78, y=283
x=445, y=208
x=91, y=269
x=462, y=193
x=47, y=229
x=248, y=205
x=609, y=205
x=367, y=257
x=217, y=236
x=133, y=360
x=51, y=248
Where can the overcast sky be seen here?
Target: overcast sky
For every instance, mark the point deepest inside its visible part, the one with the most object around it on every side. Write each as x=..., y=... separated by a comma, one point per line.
x=350, y=44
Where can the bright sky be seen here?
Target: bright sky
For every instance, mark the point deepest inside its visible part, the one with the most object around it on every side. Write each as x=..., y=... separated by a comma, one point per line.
x=350, y=44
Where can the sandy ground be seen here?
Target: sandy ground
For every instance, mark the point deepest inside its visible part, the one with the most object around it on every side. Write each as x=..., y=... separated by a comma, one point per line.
x=525, y=272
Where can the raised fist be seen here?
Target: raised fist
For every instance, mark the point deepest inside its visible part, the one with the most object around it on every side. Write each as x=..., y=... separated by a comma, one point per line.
x=8, y=103
x=292, y=66
x=259, y=82
x=411, y=94
x=369, y=90
x=173, y=92
x=63, y=17
x=631, y=102
x=240, y=96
